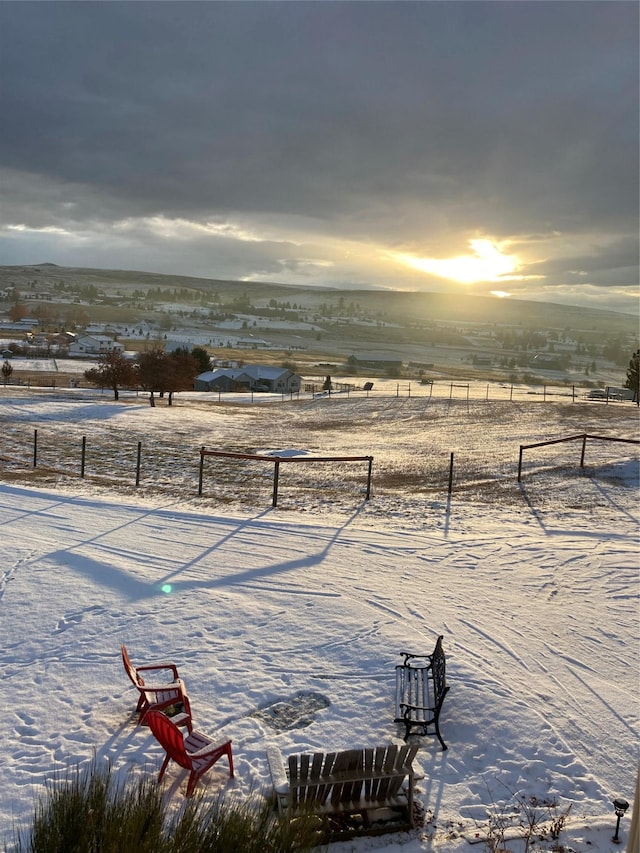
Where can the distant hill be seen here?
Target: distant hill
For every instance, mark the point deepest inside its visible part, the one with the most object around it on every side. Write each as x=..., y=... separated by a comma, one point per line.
x=402, y=307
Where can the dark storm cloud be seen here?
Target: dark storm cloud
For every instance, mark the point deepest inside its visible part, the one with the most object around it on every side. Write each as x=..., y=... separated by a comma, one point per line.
x=407, y=123
x=622, y=255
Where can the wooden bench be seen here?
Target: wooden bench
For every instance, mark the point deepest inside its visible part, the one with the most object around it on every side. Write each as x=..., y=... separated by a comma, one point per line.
x=356, y=792
x=421, y=685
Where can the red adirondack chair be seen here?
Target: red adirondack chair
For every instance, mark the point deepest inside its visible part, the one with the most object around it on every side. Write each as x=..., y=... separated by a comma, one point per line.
x=196, y=753
x=169, y=691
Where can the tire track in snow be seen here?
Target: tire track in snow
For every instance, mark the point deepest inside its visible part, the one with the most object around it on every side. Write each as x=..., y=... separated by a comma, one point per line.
x=561, y=682
x=385, y=609
x=501, y=644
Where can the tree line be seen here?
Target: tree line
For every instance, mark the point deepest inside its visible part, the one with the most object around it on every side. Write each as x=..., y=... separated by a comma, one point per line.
x=154, y=371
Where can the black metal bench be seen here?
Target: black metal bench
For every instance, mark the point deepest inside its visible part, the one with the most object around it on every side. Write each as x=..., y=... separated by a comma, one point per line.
x=421, y=685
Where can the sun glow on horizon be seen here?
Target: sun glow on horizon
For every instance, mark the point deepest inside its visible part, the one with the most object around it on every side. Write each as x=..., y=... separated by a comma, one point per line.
x=487, y=263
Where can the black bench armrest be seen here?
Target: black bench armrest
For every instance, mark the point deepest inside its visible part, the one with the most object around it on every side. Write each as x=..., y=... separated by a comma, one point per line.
x=411, y=656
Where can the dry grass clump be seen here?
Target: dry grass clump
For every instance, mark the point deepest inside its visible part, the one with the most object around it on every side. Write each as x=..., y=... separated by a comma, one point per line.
x=89, y=810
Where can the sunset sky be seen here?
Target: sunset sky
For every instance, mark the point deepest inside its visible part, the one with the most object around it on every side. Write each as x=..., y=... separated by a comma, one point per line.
x=467, y=147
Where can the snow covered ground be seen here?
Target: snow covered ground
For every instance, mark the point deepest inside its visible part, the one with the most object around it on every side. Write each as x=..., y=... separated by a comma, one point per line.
x=535, y=588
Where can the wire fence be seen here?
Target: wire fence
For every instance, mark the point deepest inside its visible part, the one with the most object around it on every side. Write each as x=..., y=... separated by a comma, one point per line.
x=460, y=390
x=178, y=468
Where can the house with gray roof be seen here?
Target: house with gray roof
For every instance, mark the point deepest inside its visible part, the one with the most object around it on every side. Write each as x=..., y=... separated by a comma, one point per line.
x=251, y=377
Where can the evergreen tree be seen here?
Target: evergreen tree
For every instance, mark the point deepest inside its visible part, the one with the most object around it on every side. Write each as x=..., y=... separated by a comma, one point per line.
x=633, y=377
x=201, y=358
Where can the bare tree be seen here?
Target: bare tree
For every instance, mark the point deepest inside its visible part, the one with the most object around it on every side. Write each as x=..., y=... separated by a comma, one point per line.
x=153, y=373
x=183, y=367
x=114, y=371
x=18, y=311
x=164, y=373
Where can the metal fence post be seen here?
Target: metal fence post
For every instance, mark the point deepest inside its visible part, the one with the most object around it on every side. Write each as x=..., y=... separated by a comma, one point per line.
x=584, y=447
x=139, y=457
x=520, y=463
x=276, y=473
x=201, y=471
x=368, y=494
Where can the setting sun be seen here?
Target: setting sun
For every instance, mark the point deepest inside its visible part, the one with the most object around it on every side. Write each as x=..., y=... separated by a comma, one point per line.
x=487, y=263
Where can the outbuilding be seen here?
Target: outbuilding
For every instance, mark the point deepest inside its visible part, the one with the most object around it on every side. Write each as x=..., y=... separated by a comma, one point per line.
x=375, y=361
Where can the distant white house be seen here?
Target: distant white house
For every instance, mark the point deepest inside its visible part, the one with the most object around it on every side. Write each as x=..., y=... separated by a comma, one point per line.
x=251, y=377
x=94, y=345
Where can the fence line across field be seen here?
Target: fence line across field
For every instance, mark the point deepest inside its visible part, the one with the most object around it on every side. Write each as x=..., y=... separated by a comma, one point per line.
x=83, y=456
x=442, y=389
x=276, y=460
x=581, y=437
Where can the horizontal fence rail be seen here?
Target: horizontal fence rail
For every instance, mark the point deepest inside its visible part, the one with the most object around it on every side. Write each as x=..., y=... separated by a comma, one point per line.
x=175, y=465
x=276, y=460
x=582, y=438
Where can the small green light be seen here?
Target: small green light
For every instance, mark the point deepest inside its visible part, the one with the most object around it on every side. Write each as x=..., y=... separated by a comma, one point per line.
x=167, y=588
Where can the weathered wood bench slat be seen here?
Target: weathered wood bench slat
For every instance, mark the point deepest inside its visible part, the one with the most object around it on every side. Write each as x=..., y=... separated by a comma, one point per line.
x=353, y=782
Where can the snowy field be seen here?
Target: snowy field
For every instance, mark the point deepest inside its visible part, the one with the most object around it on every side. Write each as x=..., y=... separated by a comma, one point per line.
x=534, y=587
